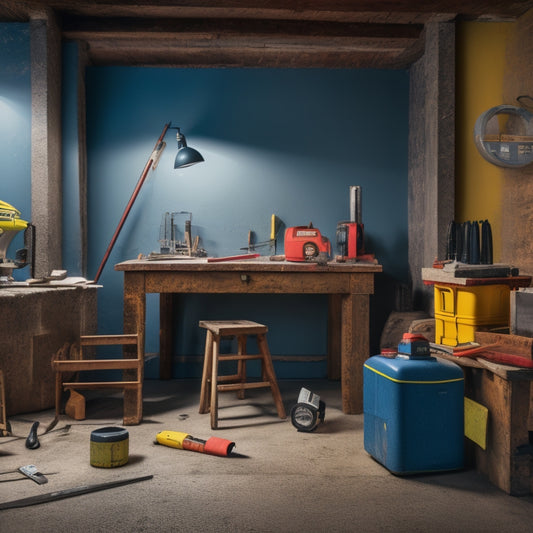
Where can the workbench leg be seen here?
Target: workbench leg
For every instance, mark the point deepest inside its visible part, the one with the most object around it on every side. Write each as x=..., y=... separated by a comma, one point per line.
x=134, y=322
x=166, y=337
x=355, y=348
x=334, y=336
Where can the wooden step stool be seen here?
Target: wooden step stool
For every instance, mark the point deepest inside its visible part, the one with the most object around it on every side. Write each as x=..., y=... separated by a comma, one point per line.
x=212, y=383
x=132, y=366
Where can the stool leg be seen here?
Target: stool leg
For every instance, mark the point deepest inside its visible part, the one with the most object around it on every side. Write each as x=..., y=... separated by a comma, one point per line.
x=271, y=376
x=241, y=365
x=206, y=373
x=59, y=392
x=214, y=381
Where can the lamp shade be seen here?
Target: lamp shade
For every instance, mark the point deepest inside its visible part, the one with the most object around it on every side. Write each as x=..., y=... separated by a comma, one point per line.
x=186, y=157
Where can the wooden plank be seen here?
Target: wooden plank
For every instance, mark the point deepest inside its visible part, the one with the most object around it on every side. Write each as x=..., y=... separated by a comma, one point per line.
x=510, y=343
x=108, y=340
x=201, y=265
x=95, y=364
x=128, y=385
x=229, y=328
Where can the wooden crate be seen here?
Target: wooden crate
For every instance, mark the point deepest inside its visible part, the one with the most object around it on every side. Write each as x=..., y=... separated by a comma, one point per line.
x=506, y=392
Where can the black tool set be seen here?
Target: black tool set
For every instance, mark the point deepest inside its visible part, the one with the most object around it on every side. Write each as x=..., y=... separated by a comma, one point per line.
x=470, y=242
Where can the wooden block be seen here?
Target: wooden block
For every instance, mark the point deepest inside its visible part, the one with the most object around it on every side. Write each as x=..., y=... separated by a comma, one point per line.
x=514, y=344
x=75, y=407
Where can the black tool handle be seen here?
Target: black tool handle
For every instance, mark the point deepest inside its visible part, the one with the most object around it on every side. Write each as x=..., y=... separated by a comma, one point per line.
x=32, y=442
x=465, y=257
x=474, y=243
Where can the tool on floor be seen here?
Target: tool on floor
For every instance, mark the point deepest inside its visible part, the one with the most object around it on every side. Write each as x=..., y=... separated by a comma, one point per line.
x=30, y=472
x=306, y=243
x=308, y=412
x=32, y=442
x=69, y=493
x=184, y=441
x=10, y=225
x=33, y=473
x=47, y=431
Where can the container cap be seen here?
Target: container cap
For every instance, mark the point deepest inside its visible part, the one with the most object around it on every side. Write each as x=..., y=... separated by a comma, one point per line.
x=109, y=434
x=414, y=345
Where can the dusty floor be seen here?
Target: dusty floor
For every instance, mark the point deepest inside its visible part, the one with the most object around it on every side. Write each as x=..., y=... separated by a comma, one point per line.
x=282, y=480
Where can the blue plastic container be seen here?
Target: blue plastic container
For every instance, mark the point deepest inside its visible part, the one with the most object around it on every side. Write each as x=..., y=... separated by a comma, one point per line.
x=414, y=413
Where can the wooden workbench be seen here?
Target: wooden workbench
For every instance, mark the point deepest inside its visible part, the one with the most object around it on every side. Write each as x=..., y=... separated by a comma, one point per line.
x=348, y=285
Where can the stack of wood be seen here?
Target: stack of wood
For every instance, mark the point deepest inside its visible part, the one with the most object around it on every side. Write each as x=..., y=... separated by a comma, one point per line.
x=495, y=351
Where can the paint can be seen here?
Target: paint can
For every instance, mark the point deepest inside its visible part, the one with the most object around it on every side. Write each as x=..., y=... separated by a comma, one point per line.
x=109, y=447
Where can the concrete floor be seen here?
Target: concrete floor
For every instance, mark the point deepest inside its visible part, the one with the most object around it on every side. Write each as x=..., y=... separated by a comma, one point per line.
x=283, y=480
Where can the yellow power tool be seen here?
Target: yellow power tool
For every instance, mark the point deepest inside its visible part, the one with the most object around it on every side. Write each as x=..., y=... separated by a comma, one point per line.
x=184, y=441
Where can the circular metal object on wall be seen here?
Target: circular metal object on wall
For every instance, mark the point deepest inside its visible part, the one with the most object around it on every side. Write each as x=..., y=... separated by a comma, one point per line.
x=504, y=136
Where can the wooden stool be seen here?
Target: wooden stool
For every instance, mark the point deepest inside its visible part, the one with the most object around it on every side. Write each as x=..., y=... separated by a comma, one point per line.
x=132, y=368
x=216, y=330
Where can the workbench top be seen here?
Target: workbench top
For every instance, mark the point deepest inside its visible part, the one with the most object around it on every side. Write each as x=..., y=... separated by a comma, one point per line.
x=256, y=264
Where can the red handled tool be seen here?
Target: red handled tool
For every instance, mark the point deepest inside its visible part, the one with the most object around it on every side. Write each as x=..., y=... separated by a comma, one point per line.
x=184, y=441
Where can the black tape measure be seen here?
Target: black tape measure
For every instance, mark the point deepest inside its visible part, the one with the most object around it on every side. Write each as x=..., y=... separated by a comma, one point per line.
x=308, y=412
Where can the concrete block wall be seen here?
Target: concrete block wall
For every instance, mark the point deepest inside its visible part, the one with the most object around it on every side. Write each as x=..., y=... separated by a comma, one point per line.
x=35, y=323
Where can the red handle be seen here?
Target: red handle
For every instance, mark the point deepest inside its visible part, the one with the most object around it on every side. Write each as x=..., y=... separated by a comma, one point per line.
x=506, y=359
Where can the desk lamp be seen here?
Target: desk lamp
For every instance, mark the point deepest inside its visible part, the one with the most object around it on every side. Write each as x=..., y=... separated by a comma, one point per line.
x=185, y=157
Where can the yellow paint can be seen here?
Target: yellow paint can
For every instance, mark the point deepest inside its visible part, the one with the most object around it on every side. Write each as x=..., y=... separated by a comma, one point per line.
x=109, y=447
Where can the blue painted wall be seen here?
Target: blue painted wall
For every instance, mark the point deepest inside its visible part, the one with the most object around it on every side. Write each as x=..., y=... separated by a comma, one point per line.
x=15, y=125
x=288, y=142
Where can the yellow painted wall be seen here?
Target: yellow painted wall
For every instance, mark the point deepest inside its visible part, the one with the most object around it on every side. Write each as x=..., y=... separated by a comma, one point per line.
x=479, y=81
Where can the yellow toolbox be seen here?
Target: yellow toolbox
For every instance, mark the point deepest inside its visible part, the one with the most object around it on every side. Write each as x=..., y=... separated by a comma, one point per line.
x=461, y=310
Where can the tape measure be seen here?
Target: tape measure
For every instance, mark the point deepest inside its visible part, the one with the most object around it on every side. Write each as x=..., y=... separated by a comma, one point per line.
x=308, y=412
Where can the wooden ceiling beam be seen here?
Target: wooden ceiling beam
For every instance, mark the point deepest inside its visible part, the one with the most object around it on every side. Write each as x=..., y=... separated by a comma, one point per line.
x=276, y=43
x=245, y=58
x=118, y=27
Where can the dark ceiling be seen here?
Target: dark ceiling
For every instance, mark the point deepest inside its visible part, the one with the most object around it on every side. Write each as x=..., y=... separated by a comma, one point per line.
x=256, y=33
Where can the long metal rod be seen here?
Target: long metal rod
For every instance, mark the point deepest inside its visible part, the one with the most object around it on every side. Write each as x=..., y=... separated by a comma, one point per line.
x=136, y=191
x=68, y=493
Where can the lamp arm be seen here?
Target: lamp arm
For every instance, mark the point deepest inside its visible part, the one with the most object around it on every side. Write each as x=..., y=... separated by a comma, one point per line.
x=134, y=195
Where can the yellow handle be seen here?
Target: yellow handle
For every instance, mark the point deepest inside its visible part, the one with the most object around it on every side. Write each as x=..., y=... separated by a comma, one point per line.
x=174, y=439
x=273, y=227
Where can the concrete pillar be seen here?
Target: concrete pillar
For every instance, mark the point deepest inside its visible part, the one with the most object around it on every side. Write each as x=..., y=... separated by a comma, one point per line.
x=431, y=190
x=46, y=142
